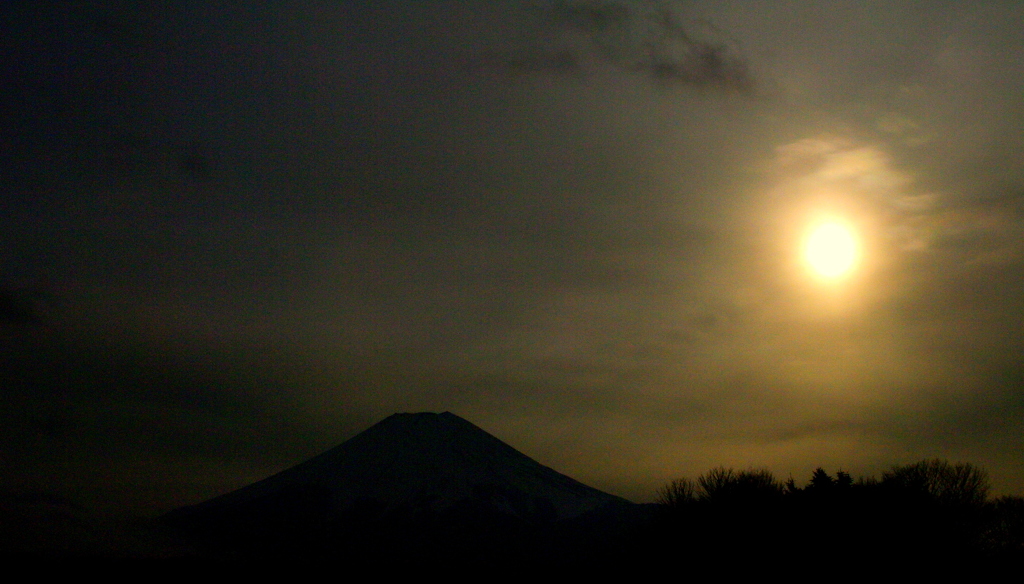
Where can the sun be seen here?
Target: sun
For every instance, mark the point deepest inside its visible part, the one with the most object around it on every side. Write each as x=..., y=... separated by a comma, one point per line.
x=831, y=249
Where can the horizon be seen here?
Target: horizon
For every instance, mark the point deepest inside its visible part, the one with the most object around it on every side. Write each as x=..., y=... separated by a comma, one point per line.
x=858, y=479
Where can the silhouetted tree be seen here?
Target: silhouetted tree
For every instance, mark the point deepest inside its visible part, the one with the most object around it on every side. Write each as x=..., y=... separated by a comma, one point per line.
x=717, y=482
x=932, y=510
x=790, y=487
x=724, y=512
x=935, y=507
x=724, y=483
x=960, y=484
x=678, y=493
x=821, y=481
x=760, y=481
x=1004, y=532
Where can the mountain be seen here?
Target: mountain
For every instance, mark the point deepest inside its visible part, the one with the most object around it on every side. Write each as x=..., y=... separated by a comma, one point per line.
x=427, y=482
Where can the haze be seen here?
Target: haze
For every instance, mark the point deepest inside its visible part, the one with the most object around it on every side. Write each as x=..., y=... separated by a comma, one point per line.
x=231, y=238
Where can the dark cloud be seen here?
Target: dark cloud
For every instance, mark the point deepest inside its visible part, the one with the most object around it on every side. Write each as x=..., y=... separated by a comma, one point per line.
x=130, y=412
x=648, y=38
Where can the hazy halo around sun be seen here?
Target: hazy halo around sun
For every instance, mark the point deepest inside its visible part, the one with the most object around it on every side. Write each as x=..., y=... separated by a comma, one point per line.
x=831, y=249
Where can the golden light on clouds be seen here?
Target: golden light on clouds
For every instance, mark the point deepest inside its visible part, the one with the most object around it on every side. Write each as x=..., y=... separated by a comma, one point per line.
x=831, y=249
x=839, y=199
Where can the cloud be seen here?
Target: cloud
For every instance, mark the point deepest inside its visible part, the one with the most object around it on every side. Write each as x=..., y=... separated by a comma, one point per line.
x=647, y=38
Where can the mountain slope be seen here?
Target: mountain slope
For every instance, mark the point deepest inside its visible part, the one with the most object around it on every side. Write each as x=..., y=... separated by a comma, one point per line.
x=415, y=480
x=426, y=462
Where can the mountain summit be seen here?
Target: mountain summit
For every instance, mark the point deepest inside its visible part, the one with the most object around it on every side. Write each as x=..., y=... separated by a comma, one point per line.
x=426, y=487
x=418, y=463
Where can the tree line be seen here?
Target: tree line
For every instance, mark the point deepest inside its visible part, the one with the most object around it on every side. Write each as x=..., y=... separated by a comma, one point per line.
x=932, y=510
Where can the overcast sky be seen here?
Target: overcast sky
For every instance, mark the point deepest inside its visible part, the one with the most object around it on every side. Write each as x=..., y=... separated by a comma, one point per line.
x=232, y=237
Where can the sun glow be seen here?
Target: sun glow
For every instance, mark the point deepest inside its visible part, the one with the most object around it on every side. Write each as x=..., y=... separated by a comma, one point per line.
x=831, y=249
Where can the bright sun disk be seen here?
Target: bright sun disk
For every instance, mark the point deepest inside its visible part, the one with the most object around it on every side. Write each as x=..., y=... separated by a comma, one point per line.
x=831, y=249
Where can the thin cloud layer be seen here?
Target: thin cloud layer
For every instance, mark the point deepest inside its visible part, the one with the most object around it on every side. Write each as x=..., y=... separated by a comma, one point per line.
x=284, y=223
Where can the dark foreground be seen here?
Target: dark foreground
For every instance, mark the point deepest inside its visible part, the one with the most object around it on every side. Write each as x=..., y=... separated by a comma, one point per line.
x=931, y=517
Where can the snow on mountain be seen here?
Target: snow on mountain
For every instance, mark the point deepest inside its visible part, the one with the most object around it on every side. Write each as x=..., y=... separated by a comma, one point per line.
x=422, y=462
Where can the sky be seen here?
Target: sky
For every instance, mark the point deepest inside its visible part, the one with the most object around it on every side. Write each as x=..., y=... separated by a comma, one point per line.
x=233, y=236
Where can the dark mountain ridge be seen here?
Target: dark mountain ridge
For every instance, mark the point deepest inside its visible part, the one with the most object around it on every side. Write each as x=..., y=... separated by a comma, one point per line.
x=418, y=485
